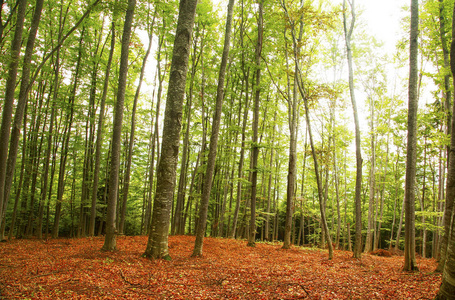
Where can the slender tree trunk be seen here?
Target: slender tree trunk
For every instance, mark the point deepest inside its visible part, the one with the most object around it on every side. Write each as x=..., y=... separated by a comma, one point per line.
x=372, y=185
x=154, y=139
x=65, y=147
x=337, y=196
x=269, y=189
x=201, y=225
x=410, y=263
x=377, y=239
x=293, y=115
x=129, y=158
x=8, y=103
x=99, y=133
x=255, y=145
x=316, y=171
x=422, y=202
x=245, y=82
x=110, y=241
x=395, y=198
x=20, y=108
x=178, y=227
x=446, y=262
x=157, y=246
x=358, y=181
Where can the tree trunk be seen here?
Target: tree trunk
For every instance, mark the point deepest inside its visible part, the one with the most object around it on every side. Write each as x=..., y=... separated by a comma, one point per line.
x=110, y=241
x=65, y=147
x=99, y=133
x=255, y=145
x=450, y=193
x=377, y=237
x=20, y=108
x=372, y=185
x=201, y=225
x=129, y=158
x=245, y=82
x=395, y=198
x=410, y=263
x=316, y=171
x=157, y=246
x=8, y=102
x=358, y=154
x=269, y=189
x=178, y=226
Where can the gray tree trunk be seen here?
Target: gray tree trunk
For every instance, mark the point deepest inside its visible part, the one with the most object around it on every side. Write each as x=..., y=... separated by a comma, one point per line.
x=450, y=189
x=99, y=132
x=157, y=246
x=20, y=108
x=358, y=154
x=208, y=179
x=410, y=263
x=66, y=135
x=255, y=145
x=8, y=103
x=126, y=184
x=109, y=240
x=372, y=184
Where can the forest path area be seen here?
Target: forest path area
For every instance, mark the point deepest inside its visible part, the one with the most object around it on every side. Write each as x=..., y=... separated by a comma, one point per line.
x=77, y=269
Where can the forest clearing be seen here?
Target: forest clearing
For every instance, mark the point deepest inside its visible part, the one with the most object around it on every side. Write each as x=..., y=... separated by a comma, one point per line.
x=77, y=269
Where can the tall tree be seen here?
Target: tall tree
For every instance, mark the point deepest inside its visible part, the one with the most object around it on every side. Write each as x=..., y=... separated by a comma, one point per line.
x=316, y=171
x=7, y=109
x=293, y=113
x=255, y=145
x=157, y=245
x=358, y=154
x=208, y=179
x=450, y=188
x=99, y=132
x=410, y=263
x=245, y=90
x=20, y=108
x=110, y=241
x=67, y=134
x=129, y=158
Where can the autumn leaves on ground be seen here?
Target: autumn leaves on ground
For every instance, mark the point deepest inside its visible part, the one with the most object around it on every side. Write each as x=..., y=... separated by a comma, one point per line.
x=76, y=268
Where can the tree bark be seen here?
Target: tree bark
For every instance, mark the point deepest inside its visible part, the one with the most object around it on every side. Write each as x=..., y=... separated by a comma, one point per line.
x=316, y=171
x=99, y=132
x=65, y=147
x=372, y=184
x=410, y=263
x=157, y=246
x=109, y=240
x=358, y=154
x=129, y=158
x=255, y=145
x=450, y=185
x=178, y=224
x=8, y=103
x=208, y=179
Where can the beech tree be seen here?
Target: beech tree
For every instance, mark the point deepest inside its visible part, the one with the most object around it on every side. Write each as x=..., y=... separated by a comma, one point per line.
x=410, y=263
x=201, y=226
x=7, y=109
x=157, y=246
x=358, y=181
x=447, y=260
x=110, y=241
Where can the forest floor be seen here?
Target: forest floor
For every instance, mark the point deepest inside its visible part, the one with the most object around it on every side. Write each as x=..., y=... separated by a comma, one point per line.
x=77, y=269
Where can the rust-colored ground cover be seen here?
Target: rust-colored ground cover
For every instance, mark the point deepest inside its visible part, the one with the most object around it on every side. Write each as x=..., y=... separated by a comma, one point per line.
x=77, y=269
